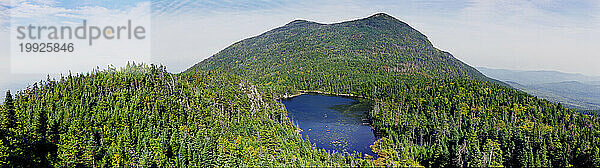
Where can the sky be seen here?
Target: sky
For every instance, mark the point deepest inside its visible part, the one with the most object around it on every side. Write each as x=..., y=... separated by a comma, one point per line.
x=560, y=35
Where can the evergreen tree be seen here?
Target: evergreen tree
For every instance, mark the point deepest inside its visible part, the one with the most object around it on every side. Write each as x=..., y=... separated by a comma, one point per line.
x=8, y=112
x=41, y=145
x=9, y=143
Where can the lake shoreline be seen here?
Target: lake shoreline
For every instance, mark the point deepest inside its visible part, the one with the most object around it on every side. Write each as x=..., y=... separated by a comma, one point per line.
x=303, y=92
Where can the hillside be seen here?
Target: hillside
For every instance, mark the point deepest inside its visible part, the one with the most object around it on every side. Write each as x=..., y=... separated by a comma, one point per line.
x=377, y=44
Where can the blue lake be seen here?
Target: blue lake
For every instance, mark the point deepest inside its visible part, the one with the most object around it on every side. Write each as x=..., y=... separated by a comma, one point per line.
x=333, y=123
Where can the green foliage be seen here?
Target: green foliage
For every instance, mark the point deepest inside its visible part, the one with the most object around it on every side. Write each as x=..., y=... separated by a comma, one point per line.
x=11, y=139
x=8, y=112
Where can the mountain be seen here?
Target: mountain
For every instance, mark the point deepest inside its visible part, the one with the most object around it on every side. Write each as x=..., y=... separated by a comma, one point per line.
x=376, y=44
x=576, y=91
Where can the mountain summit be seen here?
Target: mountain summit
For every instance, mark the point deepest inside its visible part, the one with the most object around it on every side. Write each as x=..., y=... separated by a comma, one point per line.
x=376, y=44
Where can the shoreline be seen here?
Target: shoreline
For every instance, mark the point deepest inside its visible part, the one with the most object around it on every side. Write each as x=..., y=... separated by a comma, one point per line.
x=303, y=92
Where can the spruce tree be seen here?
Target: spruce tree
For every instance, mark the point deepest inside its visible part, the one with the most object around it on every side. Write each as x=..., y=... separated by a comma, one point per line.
x=8, y=112
x=10, y=145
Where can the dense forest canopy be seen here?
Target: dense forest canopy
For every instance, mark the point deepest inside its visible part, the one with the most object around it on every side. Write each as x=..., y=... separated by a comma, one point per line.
x=143, y=116
x=432, y=109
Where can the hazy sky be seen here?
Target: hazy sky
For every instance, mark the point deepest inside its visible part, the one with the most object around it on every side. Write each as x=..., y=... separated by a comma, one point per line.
x=562, y=35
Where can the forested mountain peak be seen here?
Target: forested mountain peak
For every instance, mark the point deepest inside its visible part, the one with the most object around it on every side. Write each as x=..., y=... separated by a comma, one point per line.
x=381, y=20
x=381, y=16
x=378, y=24
x=376, y=44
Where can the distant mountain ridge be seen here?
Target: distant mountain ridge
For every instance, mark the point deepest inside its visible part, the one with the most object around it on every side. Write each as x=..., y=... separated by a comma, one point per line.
x=537, y=77
x=576, y=91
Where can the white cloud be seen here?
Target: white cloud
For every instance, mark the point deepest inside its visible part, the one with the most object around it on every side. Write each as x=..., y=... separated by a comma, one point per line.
x=27, y=9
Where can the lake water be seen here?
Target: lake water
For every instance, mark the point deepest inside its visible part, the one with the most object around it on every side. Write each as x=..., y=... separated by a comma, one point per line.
x=333, y=122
